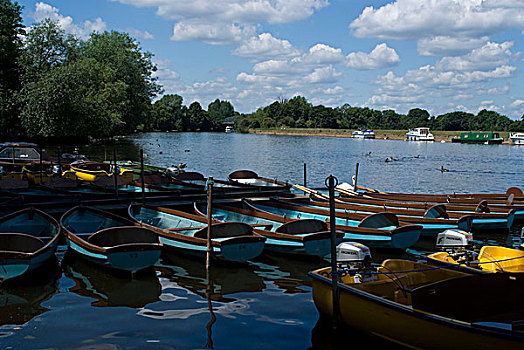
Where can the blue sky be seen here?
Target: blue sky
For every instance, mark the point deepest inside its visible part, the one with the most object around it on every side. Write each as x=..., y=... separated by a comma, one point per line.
x=440, y=55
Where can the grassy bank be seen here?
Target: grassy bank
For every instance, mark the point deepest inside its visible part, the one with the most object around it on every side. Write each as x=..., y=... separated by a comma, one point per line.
x=445, y=136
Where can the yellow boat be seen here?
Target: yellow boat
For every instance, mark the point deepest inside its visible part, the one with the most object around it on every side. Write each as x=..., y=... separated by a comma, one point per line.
x=425, y=307
x=490, y=259
x=93, y=171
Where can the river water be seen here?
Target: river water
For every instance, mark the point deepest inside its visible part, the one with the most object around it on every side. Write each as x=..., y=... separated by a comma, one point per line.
x=264, y=305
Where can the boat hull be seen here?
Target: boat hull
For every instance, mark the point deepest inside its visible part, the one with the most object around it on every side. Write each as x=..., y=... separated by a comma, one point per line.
x=403, y=325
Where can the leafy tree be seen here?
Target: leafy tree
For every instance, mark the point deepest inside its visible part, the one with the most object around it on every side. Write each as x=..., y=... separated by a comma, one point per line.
x=46, y=46
x=121, y=53
x=218, y=111
x=416, y=117
x=198, y=118
x=454, y=121
x=169, y=114
x=11, y=30
x=77, y=101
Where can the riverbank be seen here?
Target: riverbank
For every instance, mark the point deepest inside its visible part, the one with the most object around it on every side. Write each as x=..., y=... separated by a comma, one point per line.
x=440, y=136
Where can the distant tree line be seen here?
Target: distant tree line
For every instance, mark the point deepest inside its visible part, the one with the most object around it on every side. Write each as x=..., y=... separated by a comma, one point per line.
x=299, y=113
x=55, y=86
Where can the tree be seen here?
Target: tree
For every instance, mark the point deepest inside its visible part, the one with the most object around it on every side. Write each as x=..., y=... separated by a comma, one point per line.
x=121, y=53
x=46, y=46
x=168, y=114
x=218, y=111
x=416, y=117
x=198, y=118
x=11, y=30
x=77, y=101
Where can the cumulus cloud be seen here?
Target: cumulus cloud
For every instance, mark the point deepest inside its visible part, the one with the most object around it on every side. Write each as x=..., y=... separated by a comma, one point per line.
x=448, y=45
x=209, y=33
x=487, y=57
x=323, y=75
x=382, y=56
x=412, y=19
x=227, y=21
x=140, y=34
x=264, y=46
x=444, y=27
x=43, y=11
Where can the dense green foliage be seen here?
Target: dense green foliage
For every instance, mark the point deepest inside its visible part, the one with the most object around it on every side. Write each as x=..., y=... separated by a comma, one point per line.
x=298, y=113
x=11, y=29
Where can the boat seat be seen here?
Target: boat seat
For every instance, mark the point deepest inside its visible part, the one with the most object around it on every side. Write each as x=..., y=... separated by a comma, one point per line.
x=122, y=235
x=225, y=230
x=20, y=242
x=303, y=226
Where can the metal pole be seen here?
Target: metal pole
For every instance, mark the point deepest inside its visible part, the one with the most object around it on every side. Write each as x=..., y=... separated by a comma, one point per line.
x=142, y=174
x=115, y=173
x=59, y=161
x=356, y=177
x=209, y=187
x=330, y=182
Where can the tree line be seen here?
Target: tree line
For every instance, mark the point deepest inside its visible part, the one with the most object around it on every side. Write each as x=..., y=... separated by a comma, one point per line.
x=299, y=113
x=56, y=86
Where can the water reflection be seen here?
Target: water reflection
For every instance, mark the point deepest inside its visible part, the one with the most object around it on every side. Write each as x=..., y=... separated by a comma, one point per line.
x=21, y=299
x=110, y=289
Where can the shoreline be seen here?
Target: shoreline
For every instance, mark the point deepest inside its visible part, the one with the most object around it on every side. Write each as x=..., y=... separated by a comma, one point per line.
x=400, y=135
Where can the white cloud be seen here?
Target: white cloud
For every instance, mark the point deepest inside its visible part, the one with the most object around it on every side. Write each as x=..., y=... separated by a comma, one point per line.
x=43, y=11
x=140, y=34
x=382, y=56
x=448, y=46
x=414, y=19
x=227, y=21
x=264, y=46
x=323, y=75
x=337, y=90
x=323, y=54
x=209, y=33
x=517, y=103
x=487, y=57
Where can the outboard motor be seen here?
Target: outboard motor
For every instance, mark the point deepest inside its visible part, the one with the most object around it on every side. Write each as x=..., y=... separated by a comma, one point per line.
x=173, y=171
x=353, y=257
x=458, y=243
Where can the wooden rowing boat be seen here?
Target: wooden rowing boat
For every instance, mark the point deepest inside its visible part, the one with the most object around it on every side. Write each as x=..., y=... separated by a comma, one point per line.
x=423, y=307
x=488, y=260
x=28, y=239
x=250, y=178
x=93, y=171
x=187, y=233
x=110, y=240
x=381, y=230
x=306, y=237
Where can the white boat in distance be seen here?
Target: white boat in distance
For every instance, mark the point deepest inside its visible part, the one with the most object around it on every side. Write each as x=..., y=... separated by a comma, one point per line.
x=517, y=138
x=419, y=134
x=363, y=134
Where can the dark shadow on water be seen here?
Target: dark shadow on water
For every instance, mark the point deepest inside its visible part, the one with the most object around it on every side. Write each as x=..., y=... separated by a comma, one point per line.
x=21, y=298
x=108, y=288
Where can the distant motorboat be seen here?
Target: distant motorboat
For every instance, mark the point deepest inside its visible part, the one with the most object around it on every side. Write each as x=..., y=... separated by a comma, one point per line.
x=363, y=134
x=419, y=134
x=517, y=138
x=229, y=128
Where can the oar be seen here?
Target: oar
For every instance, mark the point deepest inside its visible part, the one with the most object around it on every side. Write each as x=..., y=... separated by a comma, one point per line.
x=370, y=189
x=310, y=191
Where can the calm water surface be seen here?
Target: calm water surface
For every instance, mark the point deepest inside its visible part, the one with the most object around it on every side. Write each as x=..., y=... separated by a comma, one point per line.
x=264, y=305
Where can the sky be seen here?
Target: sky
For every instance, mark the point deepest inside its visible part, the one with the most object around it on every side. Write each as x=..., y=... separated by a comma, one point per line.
x=439, y=55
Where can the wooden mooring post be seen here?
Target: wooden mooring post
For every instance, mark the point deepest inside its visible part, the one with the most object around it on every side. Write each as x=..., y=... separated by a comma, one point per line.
x=209, y=188
x=355, y=179
x=142, y=177
x=59, y=161
x=115, y=173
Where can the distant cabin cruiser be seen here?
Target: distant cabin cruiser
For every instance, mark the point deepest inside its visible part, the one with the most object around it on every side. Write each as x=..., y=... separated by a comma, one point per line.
x=363, y=134
x=419, y=134
x=517, y=138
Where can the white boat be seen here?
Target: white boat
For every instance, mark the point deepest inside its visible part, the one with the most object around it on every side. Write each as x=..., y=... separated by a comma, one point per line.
x=229, y=128
x=363, y=134
x=517, y=138
x=419, y=134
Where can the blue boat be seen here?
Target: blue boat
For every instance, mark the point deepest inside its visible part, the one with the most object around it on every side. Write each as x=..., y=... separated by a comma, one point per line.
x=381, y=230
x=187, y=234
x=28, y=239
x=110, y=240
x=306, y=237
